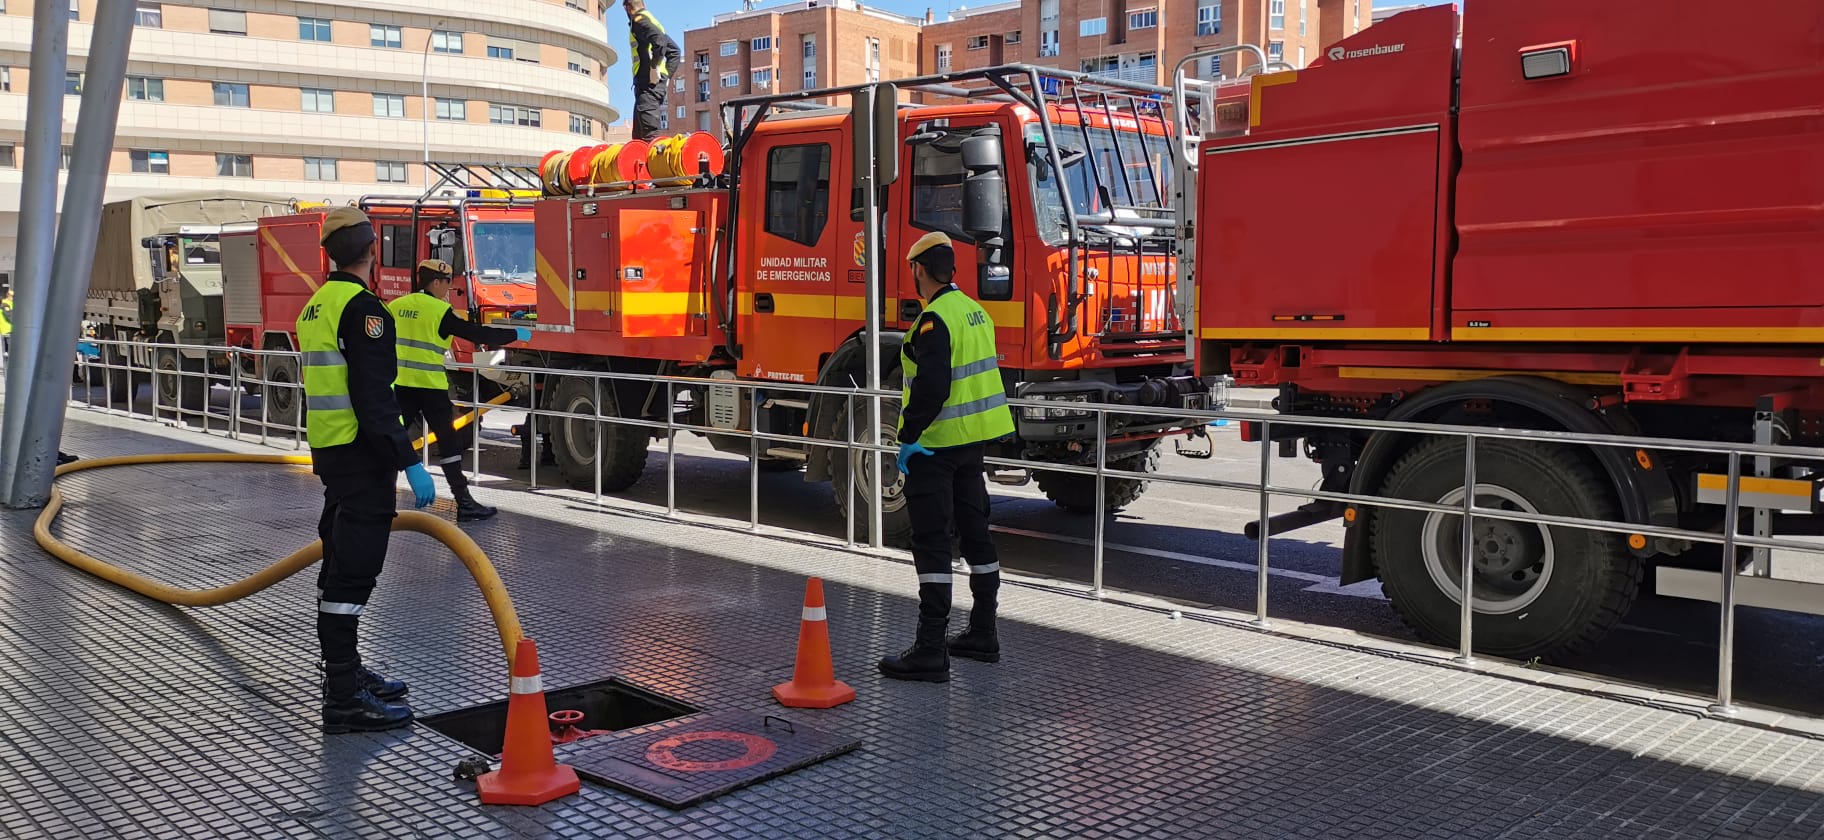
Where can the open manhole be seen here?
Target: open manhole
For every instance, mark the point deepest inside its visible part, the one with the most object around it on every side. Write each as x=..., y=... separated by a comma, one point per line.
x=610, y=705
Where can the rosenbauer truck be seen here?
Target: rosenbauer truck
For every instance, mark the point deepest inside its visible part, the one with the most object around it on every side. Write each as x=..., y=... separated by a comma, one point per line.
x=1589, y=217
x=760, y=275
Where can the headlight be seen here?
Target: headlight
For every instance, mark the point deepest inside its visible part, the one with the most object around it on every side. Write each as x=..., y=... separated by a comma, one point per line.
x=1033, y=412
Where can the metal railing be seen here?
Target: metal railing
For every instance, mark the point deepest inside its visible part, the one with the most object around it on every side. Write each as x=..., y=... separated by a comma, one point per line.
x=1468, y=510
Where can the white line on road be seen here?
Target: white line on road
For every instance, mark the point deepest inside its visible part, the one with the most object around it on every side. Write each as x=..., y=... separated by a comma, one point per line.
x=1319, y=583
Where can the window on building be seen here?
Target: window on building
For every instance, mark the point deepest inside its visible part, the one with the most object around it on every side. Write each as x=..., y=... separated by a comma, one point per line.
x=579, y=5
x=1358, y=17
x=6, y=79
x=1301, y=55
x=978, y=42
x=389, y=171
x=1215, y=67
x=1143, y=19
x=763, y=78
x=585, y=126
x=872, y=53
x=677, y=84
x=500, y=51
x=445, y=41
x=75, y=10
x=761, y=44
x=319, y=100
x=810, y=75
x=1301, y=18
x=232, y=95
x=227, y=22
x=72, y=83
x=1090, y=27
x=1048, y=11
x=579, y=63
x=313, y=29
x=730, y=48
x=144, y=89
x=730, y=80
x=703, y=90
x=391, y=105
x=397, y=248
x=1209, y=17
x=147, y=162
x=1276, y=51
x=808, y=46
x=682, y=111
x=1011, y=37
x=1048, y=43
x=233, y=166
x=798, y=192
x=64, y=163
x=319, y=169
x=9, y=156
x=149, y=15
x=702, y=120
x=1100, y=66
x=943, y=58
x=499, y=114
x=388, y=37
x=1276, y=14
x=452, y=109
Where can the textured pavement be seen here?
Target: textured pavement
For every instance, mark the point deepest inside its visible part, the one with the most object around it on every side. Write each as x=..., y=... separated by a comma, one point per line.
x=123, y=717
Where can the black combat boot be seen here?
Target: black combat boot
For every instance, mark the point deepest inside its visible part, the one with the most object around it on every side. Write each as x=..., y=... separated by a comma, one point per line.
x=925, y=660
x=469, y=510
x=383, y=688
x=978, y=641
x=348, y=705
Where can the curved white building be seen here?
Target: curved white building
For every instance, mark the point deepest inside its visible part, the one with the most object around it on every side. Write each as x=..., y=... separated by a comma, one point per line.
x=323, y=100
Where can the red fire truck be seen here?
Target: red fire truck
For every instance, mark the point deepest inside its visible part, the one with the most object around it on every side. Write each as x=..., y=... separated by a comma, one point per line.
x=1589, y=217
x=759, y=275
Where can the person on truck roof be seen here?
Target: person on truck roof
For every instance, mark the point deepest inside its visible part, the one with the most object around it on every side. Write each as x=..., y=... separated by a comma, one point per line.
x=954, y=404
x=357, y=448
x=426, y=325
x=655, y=57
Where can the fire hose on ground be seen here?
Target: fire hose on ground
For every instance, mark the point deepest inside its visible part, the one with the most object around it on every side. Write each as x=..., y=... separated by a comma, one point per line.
x=500, y=606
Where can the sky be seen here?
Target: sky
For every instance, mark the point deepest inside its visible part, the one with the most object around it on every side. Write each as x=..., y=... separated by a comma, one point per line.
x=679, y=15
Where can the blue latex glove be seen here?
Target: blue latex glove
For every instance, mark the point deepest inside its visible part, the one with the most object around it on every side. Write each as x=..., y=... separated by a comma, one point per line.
x=906, y=451
x=423, y=491
x=525, y=334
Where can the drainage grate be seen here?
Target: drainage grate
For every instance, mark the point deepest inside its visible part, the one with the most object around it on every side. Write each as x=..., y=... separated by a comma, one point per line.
x=683, y=762
x=610, y=704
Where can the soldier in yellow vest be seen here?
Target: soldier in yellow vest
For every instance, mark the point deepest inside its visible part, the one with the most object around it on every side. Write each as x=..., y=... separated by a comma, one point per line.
x=426, y=323
x=953, y=403
x=655, y=57
x=357, y=448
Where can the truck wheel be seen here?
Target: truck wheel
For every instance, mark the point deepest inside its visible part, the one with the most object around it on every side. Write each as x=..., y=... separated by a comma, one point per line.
x=573, y=442
x=283, y=393
x=178, y=382
x=121, y=382
x=1077, y=493
x=1539, y=590
x=852, y=472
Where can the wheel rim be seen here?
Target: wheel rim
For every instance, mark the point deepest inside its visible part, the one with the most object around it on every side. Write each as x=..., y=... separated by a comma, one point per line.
x=169, y=381
x=1512, y=562
x=894, y=491
x=284, y=395
x=579, y=435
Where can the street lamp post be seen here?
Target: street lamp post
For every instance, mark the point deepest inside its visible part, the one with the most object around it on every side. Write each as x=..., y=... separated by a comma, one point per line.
x=425, y=93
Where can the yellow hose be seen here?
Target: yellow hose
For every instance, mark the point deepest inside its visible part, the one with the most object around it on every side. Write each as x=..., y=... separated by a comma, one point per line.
x=506, y=622
x=464, y=420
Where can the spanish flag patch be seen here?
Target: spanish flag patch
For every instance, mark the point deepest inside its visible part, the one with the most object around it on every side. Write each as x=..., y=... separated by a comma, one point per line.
x=926, y=328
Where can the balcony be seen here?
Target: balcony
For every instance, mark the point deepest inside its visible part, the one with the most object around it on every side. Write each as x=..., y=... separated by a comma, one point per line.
x=1146, y=74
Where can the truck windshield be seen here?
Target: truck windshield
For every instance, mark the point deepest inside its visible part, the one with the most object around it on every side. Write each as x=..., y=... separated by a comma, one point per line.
x=202, y=251
x=1137, y=173
x=504, y=252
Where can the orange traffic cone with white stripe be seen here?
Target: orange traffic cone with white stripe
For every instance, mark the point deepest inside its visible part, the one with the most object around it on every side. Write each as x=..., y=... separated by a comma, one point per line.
x=529, y=773
x=814, y=684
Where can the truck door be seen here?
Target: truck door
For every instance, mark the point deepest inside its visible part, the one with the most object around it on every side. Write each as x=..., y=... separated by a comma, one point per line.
x=787, y=297
x=398, y=251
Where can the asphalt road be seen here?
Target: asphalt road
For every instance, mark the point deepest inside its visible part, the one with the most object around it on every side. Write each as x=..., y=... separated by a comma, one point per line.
x=1185, y=544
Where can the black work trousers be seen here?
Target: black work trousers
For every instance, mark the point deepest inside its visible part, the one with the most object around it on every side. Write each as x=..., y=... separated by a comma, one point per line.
x=440, y=419
x=947, y=495
x=358, y=511
x=648, y=106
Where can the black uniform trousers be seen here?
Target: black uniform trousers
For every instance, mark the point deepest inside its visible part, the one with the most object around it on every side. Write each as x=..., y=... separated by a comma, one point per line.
x=946, y=496
x=440, y=419
x=648, y=106
x=357, y=521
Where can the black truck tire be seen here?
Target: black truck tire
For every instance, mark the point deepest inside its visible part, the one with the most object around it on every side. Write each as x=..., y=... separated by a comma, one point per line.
x=851, y=472
x=1077, y=493
x=283, y=393
x=573, y=441
x=178, y=383
x=1541, y=591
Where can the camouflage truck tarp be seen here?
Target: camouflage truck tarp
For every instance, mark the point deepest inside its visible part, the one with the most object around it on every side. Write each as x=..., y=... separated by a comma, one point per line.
x=122, y=267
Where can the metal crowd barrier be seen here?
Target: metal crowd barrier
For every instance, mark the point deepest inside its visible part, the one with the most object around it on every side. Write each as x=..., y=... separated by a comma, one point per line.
x=1727, y=538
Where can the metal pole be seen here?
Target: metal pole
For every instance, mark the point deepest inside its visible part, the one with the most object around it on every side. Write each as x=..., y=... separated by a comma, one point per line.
x=1262, y=550
x=37, y=231
x=234, y=393
x=1095, y=586
x=864, y=134
x=671, y=450
x=849, y=464
x=424, y=118
x=1725, y=642
x=34, y=460
x=532, y=420
x=1466, y=586
x=753, y=459
x=475, y=428
x=597, y=457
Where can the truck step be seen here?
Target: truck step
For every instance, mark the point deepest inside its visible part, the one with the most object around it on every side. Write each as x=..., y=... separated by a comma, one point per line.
x=780, y=402
x=1308, y=514
x=792, y=454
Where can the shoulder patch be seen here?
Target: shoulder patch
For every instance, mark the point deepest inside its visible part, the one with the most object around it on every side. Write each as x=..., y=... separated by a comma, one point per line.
x=376, y=326
x=928, y=326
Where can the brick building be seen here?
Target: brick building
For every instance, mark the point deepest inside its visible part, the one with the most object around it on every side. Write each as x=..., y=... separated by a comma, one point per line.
x=824, y=43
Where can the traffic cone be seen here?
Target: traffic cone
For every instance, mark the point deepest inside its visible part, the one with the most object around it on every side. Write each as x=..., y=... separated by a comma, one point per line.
x=529, y=774
x=814, y=684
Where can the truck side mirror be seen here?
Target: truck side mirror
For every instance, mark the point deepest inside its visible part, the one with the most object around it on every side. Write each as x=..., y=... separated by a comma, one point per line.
x=984, y=188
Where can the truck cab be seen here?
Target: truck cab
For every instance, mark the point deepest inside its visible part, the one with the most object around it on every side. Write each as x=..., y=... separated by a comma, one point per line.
x=187, y=279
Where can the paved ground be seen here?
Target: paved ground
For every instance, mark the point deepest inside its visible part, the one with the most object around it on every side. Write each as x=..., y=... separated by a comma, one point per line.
x=128, y=718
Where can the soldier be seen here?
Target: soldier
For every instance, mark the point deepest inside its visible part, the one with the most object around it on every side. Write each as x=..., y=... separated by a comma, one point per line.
x=655, y=58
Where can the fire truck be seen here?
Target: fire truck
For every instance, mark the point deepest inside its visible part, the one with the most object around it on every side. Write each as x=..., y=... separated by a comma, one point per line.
x=1055, y=187
x=1596, y=218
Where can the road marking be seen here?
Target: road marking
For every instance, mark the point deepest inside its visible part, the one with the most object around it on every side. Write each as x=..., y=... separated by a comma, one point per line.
x=1319, y=583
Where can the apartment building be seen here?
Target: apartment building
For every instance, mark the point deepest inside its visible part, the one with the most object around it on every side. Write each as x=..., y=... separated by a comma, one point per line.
x=797, y=46
x=323, y=100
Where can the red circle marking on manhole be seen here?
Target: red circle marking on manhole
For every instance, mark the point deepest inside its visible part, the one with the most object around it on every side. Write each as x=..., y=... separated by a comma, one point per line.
x=663, y=753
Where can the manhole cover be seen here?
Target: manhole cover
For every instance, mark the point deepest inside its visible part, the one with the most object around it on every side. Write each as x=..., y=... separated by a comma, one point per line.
x=683, y=762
